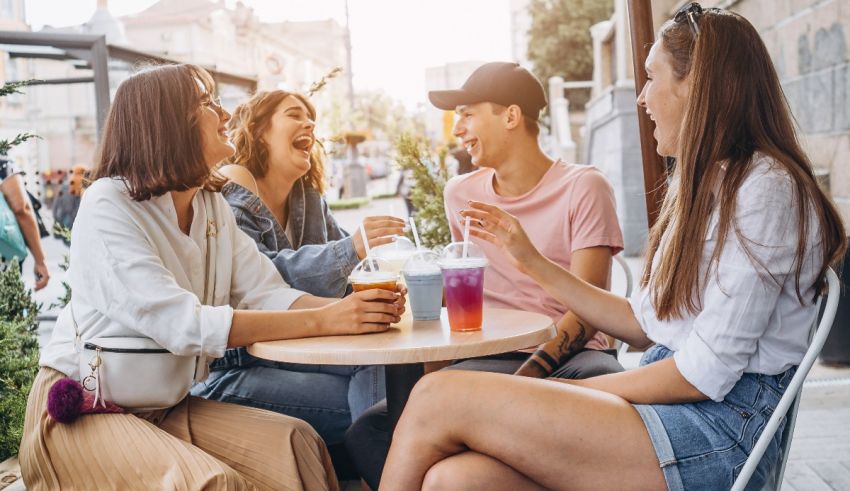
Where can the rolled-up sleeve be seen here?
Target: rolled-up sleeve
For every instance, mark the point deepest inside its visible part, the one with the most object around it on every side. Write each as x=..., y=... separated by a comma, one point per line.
x=741, y=289
x=124, y=277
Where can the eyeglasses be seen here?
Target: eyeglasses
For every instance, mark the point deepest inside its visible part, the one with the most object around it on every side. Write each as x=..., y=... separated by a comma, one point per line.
x=213, y=102
x=691, y=14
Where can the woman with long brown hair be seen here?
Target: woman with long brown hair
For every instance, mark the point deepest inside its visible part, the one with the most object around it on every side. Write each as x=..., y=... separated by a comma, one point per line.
x=157, y=258
x=275, y=187
x=734, y=266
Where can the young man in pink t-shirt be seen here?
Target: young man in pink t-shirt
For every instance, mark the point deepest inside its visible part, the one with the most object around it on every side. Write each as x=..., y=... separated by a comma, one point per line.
x=568, y=210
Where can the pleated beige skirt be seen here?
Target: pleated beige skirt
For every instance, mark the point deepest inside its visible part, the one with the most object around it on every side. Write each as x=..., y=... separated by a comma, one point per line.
x=198, y=444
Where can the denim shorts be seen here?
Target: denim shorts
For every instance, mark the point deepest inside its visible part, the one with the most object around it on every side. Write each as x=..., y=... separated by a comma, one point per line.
x=704, y=445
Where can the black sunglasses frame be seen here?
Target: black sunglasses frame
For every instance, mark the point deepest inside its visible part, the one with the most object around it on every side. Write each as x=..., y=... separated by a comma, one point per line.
x=691, y=13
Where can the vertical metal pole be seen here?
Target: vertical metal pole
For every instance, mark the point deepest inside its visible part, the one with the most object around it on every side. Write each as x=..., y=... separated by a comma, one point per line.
x=654, y=179
x=100, y=66
x=400, y=381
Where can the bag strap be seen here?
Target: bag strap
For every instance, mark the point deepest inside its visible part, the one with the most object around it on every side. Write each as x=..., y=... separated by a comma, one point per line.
x=202, y=367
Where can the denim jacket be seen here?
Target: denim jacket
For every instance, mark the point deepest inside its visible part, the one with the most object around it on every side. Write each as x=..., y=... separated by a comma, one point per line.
x=322, y=255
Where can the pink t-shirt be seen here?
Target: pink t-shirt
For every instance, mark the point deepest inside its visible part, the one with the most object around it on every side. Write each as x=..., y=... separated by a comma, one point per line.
x=571, y=208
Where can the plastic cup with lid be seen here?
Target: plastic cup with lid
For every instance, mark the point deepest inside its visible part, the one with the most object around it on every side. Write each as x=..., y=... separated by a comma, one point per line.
x=395, y=253
x=424, y=281
x=372, y=273
x=463, y=268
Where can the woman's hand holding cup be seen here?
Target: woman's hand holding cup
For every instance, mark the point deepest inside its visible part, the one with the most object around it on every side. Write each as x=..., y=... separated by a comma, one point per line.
x=363, y=312
x=380, y=230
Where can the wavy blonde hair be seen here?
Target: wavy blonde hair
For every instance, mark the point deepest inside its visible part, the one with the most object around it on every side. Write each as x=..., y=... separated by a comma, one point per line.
x=252, y=118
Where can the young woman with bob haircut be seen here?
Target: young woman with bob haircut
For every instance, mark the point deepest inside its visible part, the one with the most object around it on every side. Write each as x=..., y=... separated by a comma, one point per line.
x=734, y=266
x=275, y=188
x=145, y=232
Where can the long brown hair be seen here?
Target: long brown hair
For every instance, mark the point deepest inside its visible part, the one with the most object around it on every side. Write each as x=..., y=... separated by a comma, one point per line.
x=151, y=138
x=251, y=119
x=735, y=108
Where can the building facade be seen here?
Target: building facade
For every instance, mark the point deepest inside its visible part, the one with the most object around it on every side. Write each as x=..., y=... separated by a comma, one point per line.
x=286, y=55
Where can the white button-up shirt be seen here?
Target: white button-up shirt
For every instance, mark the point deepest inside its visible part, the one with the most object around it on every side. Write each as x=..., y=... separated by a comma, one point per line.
x=133, y=272
x=748, y=322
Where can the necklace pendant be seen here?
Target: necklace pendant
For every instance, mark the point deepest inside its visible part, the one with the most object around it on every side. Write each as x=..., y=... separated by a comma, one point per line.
x=212, y=231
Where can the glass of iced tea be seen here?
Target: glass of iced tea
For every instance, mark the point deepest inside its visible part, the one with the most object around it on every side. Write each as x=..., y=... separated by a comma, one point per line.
x=373, y=273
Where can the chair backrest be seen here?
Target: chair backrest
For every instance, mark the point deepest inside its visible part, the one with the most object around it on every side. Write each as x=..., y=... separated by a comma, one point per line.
x=790, y=401
x=627, y=272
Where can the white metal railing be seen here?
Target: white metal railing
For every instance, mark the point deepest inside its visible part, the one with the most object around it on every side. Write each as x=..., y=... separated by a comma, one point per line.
x=559, y=112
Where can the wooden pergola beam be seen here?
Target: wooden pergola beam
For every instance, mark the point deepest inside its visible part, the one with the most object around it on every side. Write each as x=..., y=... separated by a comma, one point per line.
x=654, y=172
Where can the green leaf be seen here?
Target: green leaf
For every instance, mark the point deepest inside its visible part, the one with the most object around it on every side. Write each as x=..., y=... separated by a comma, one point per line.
x=430, y=174
x=14, y=87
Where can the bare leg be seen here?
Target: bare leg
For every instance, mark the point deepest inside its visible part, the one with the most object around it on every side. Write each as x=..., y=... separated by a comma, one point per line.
x=558, y=436
x=469, y=471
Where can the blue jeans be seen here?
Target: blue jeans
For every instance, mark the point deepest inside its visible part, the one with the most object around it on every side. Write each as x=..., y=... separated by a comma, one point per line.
x=703, y=445
x=329, y=397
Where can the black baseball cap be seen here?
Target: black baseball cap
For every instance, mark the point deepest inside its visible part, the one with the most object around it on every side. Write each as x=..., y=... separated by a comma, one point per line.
x=502, y=83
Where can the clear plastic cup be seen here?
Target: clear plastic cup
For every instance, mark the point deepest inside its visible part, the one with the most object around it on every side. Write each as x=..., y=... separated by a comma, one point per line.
x=371, y=273
x=424, y=281
x=395, y=253
x=463, y=280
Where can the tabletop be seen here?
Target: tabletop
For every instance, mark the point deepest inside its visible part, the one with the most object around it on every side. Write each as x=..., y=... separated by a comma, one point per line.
x=412, y=341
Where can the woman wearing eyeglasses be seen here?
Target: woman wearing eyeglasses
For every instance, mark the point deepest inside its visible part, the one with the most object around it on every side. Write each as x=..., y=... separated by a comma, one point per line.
x=156, y=255
x=734, y=265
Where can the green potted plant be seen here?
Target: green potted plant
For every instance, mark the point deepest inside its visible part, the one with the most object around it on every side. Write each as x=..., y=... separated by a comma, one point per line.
x=429, y=174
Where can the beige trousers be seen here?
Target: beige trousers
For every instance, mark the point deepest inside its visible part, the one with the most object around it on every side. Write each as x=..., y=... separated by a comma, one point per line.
x=197, y=444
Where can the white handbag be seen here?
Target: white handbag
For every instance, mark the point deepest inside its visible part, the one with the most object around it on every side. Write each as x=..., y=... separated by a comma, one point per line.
x=136, y=373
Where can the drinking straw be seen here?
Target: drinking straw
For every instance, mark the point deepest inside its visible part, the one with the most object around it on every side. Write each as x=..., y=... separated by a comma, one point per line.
x=466, y=237
x=366, y=245
x=415, y=232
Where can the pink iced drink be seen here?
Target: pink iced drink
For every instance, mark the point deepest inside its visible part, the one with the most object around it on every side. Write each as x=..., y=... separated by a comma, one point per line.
x=463, y=280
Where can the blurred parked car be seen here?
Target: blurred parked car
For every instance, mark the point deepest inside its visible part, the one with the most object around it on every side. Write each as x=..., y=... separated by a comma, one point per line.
x=377, y=168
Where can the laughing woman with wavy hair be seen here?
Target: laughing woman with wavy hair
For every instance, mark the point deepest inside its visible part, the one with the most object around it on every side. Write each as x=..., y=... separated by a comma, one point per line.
x=275, y=186
x=733, y=269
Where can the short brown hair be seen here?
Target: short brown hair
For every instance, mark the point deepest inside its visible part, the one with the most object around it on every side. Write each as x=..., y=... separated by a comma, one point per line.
x=252, y=118
x=530, y=124
x=151, y=137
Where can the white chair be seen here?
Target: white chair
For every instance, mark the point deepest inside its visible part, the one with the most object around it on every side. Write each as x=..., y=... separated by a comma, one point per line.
x=791, y=399
x=620, y=346
x=627, y=272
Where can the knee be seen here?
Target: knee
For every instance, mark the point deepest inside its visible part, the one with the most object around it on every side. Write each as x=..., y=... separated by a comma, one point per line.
x=292, y=433
x=222, y=477
x=434, y=385
x=442, y=477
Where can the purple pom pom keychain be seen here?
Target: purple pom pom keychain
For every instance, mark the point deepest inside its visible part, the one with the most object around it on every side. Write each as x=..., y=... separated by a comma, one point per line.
x=66, y=400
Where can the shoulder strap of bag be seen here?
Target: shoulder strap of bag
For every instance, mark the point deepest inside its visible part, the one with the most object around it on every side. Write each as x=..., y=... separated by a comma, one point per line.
x=202, y=368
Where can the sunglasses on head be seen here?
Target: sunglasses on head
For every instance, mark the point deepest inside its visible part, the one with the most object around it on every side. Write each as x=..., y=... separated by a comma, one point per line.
x=691, y=13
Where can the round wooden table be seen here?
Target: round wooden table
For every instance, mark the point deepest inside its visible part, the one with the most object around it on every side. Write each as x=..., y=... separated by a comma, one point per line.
x=406, y=346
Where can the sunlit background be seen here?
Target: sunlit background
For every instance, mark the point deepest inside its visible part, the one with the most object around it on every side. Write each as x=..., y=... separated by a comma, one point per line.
x=393, y=41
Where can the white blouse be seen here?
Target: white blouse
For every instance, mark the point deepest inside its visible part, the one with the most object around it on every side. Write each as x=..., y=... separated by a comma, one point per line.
x=133, y=272
x=749, y=322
